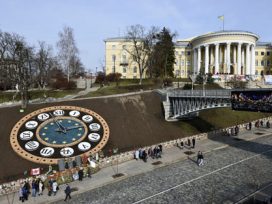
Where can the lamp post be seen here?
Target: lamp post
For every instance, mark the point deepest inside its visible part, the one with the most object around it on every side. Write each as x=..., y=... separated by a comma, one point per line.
x=179, y=69
x=204, y=77
x=114, y=58
x=193, y=78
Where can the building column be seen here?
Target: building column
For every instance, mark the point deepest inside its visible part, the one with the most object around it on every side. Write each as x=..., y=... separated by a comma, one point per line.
x=199, y=60
x=228, y=57
x=252, y=70
x=239, y=59
x=195, y=61
x=206, y=59
x=216, y=58
x=247, y=59
x=234, y=54
x=243, y=61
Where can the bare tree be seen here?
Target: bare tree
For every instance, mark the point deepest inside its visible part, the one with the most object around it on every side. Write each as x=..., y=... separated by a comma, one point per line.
x=44, y=64
x=67, y=49
x=142, y=44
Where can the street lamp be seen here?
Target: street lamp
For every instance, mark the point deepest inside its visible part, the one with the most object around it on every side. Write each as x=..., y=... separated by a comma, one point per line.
x=193, y=78
x=204, y=77
x=114, y=58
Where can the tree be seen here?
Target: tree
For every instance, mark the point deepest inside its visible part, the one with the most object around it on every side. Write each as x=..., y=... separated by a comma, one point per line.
x=44, y=64
x=67, y=49
x=141, y=46
x=163, y=56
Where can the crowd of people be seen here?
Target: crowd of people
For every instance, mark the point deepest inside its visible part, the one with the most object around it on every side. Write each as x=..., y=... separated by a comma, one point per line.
x=258, y=124
x=190, y=143
x=154, y=153
x=35, y=188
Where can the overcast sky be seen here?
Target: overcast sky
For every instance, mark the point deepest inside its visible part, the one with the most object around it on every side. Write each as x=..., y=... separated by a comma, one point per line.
x=95, y=20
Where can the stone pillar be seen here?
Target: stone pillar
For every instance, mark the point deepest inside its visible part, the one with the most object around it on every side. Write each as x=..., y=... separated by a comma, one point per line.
x=252, y=70
x=228, y=57
x=234, y=54
x=247, y=59
x=216, y=58
x=206, y=59
x=199, y=60
x=195, y=61
x=239, y=59
x=243, y=61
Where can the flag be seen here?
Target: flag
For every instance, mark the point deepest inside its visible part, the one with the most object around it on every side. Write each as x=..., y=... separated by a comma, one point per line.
x=35, y=172
x=221, y=17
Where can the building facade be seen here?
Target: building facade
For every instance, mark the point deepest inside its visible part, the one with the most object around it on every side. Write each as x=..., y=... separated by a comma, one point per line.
x=222, y=52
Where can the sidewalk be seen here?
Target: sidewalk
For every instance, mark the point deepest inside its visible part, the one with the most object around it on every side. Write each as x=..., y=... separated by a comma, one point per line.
x=133, y=167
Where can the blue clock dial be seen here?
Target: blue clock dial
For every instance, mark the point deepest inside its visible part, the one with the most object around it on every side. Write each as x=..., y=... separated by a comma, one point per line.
x=61, y=131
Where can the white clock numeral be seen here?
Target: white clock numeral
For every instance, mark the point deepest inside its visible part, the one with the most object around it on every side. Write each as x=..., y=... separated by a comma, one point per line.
x=74, y=113
x=43, y=116
x=47, y=151
x=26, y=135
x=94, y=127
x=67, y=151
x=84, y=146
x=31, y=124
x=94, y=137
x=32, y=145
x=87, y=118
x=58, y=113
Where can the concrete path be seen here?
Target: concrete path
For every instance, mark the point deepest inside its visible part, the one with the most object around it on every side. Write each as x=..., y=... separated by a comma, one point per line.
x=222, y=153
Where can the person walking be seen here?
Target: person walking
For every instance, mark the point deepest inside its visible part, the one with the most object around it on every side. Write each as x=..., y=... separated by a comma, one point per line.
x=40, y=187
x=67, y=192
x=249, y=125
x=181, y=144
x=189, y=143
x=21, y=196
x=54, y=187
x=193, y=141
x=201, y=157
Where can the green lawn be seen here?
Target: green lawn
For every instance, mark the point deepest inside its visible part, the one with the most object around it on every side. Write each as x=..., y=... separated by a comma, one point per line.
x=218, y=118
x=8, y=96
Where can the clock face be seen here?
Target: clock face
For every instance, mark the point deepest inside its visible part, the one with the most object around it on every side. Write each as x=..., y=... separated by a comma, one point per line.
x=49, y=134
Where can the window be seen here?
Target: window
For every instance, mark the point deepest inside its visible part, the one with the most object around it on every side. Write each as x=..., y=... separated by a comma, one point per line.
x=256, y=53
x=256, y=63
x=177, y=73
x=262, y=63
x=268, y=63
x=262, y=53
x=113, y=47
x=124, y=77
x=176, y=53
x=268, y=53
x=256, y=72
x=124, y=70
x=124, y=58
x=134, y=77
x=113, y=57
x=188, y=63
x=188, y=53
x=124, y=46
x=182, y=52
x=182, y=62
x=134, y=69
x=176, y=62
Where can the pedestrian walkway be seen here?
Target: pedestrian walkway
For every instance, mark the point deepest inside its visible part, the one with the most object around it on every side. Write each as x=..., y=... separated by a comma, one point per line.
x=133, y=167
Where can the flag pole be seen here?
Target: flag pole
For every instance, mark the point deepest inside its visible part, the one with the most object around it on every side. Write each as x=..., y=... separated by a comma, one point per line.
x=223, y=22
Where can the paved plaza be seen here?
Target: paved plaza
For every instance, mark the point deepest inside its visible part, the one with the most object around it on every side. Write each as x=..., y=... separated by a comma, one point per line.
x=234, y=168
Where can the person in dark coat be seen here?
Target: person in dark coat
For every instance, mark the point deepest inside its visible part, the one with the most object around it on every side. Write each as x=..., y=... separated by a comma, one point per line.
x=193, y=141
x=160, y=148
x=189, y=143
x=80, y=174
x=249, y=125
x=181, y=144
x=67, y=192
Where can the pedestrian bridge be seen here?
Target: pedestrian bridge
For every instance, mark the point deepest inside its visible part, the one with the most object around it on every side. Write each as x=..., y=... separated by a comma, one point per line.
x=187, y=103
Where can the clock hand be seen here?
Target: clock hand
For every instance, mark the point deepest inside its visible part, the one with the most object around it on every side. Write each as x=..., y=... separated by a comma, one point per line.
x=61, y=128
x=73, y=127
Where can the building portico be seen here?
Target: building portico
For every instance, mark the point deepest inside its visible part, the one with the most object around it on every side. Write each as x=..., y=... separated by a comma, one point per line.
x=225, y=52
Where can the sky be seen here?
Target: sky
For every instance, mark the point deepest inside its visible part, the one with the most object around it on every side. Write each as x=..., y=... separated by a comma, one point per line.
x=94, y=21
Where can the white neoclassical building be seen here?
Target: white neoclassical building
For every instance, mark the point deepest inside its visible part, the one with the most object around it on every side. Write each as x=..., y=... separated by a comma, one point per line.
x=231, y=52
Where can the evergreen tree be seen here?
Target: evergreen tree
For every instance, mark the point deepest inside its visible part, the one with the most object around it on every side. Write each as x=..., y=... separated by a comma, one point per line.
x=163, y=56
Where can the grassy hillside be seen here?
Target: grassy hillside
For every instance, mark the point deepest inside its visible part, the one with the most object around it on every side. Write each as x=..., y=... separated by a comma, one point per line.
x=212, y=119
